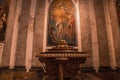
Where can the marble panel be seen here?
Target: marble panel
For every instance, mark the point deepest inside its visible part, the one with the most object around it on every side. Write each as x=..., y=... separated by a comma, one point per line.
x=22, y=33
x=102, y=33
x=38, y=31
x=9, y=33
x=115, y=30
x=85, y=30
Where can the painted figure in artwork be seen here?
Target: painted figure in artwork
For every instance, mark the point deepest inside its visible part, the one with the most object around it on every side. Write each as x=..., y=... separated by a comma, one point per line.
x=61, y=24
x=70, y=25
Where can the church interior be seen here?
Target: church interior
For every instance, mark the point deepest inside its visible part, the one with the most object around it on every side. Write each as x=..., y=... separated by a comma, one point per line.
x=59, y=39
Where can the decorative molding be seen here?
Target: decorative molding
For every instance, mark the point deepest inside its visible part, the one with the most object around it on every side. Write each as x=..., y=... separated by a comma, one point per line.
x=83, y=70
x=106, y=69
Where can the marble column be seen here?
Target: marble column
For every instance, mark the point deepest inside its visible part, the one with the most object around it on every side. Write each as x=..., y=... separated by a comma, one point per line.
x=115, y=30
x=15, y=34
x=95, y=47
x=85, y=30
x=110, y=35
x=45, y=25
x=101, y=34
x=1, y=52
x=78, y=26
x=9, y=33
x=38, y=31
x=29, y=44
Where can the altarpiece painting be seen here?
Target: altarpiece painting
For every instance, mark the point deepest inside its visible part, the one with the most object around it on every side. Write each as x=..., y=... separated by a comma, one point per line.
x=61, y=23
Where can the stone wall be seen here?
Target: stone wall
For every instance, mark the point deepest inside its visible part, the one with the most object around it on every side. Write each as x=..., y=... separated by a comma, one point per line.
x=85, y=26
x=22, y=33
x=115, y=29
x=38, y=31
x=85, y=30
x=9, y=33
x=102, y=33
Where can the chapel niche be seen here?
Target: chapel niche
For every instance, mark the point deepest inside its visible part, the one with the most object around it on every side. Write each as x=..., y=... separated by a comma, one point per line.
x=4, y=8
x=61, y=23
x=118, y=10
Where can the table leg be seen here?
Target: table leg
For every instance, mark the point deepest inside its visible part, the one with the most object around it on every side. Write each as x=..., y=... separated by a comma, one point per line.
x=61, y=72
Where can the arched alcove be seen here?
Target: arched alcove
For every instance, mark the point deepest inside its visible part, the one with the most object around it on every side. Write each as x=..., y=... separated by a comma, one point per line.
x=61, y=23
x=118, y=9
x=4, y=8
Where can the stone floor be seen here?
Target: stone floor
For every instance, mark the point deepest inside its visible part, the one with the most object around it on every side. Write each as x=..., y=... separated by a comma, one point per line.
x=37, y=75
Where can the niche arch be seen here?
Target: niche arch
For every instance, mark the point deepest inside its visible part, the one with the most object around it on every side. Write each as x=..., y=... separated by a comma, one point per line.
x=4, y=9
x=118, y=10
x=59, y=14
x=61, y=23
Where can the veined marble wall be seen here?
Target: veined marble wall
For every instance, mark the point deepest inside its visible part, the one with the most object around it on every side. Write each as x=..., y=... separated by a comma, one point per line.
x=94, y=24
x=1, y=52
x=85, y=30
x=9, y=34
x=115, y=29
x=38, y=31
x=102, y=33
x=22, y=33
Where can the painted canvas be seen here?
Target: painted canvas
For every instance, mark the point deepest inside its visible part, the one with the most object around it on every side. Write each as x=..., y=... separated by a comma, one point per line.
x=61, y=23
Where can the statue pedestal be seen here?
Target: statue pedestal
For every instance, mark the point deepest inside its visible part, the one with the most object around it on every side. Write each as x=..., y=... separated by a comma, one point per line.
x=62, y=62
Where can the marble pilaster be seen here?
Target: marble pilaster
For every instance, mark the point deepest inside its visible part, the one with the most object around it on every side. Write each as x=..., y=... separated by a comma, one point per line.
x=78, y=27
x=29, y=47
x=115, y=27
x=85, y=30
x=9, y=34
x=110, y=35
x=95, y=45
x=101, y=33
x=1, y=52
x=23, y=23
x=38, y=31
x=15, y=34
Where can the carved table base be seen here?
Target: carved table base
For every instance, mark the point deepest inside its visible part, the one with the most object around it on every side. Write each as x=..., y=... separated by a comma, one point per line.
x=63, y=65
x=62, y=60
